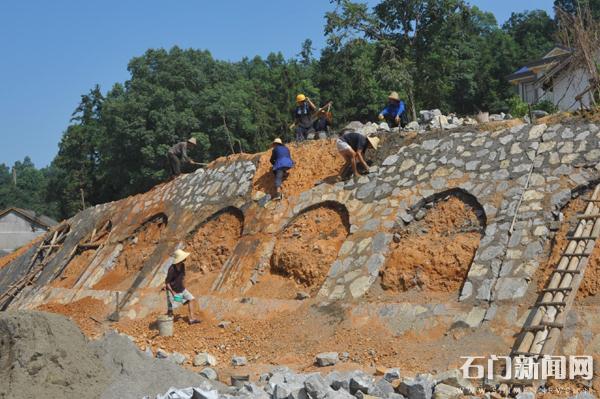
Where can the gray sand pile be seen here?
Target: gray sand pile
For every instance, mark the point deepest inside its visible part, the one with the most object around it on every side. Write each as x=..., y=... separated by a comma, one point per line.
x=135, y=374
x=44, y=355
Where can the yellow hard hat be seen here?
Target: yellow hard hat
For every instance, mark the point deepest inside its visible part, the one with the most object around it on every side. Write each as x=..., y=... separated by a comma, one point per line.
x=300, y=98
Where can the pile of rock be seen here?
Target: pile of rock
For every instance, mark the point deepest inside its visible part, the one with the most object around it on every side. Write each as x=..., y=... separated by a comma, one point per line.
x=282, y=383
x=434, y=119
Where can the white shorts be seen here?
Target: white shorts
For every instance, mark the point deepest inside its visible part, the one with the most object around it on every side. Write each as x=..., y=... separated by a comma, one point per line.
x=342, y=146
x=187, y=296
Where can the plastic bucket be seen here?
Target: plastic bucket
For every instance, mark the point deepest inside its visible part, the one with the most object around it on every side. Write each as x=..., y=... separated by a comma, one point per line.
x=165, y=326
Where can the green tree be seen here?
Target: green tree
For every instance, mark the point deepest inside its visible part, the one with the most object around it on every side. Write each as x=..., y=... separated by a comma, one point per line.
x=533, y=32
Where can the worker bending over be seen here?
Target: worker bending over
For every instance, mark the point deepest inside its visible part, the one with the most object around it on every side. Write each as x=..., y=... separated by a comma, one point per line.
x=395, y=112
x=281, y=159
x=178, y=154
x=175, y=286
x=352, y=147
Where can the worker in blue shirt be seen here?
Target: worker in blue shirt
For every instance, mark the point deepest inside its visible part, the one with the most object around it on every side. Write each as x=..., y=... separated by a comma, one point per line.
x=281, y=160
x=394, y=112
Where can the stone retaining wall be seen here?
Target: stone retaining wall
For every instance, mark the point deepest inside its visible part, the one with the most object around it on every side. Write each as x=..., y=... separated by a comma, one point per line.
x=521, y=177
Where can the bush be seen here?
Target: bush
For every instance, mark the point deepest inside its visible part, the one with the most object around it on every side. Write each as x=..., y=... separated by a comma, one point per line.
x=517, y=107
x=547, y=106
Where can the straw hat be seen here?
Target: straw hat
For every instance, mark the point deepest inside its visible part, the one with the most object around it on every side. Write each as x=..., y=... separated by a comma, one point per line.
x=374, y=141
x=179, y=256
x=277, y=141
x=394, y=96
x=192, y=141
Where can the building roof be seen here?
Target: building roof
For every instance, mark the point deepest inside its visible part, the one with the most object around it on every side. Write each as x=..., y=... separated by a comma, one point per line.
x=555, y=56
x=32, y=216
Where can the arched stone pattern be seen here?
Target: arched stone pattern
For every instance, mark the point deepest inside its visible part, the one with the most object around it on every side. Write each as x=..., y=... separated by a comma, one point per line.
x=434, y=246
x=136, y=250
x=83, y=256
x=211, y=243
x=303, y=252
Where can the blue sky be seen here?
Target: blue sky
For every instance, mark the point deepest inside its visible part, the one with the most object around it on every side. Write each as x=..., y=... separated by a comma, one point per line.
x=54, y=51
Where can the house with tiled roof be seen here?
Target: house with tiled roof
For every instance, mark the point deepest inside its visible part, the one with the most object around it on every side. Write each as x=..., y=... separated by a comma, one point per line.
x=555, y=79
x=19, y=226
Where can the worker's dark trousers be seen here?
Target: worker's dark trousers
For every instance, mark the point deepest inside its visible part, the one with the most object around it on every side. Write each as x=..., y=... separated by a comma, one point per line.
x=279, y=175
x=174, y=164
x=302, y=132
x=391, y=121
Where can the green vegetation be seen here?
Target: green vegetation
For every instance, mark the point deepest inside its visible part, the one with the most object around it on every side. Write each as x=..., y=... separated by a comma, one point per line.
x=517, y=107
x=442, y=54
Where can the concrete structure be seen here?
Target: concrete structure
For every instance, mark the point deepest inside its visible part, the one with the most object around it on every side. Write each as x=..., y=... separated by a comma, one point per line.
x=19, y=226
x=552, y=78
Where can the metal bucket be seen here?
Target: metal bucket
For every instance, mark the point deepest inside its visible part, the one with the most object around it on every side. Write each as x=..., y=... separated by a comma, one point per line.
x=165, y=326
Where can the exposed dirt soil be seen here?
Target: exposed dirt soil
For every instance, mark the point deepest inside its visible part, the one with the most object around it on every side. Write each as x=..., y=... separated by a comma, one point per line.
x=74, y=269
x=494, y=126
x=304, y=253
x=137, y=249
x=435, y=253
x=6, y=259
x=210, y=247
x=553, y=119
x=82, y=312
x=295, y=338
x=314, y=161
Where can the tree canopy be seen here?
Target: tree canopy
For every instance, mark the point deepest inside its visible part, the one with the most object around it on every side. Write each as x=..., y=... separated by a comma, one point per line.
x=443, y=54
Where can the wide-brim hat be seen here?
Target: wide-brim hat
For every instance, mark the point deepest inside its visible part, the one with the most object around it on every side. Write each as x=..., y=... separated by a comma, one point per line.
x=192, y=141
x=277, y=141
x=374, y=141
x=394, y=96
x=179, y=256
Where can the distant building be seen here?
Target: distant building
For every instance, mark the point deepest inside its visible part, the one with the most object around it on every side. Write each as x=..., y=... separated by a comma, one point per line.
x=19, y=226
x=554, y=79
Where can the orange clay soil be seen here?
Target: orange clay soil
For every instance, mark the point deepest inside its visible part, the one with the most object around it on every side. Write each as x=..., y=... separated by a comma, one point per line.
x=434, y=253
x=210, y=247
x=303, y=254
x=74, y=269
x=295, y=338
x=136, y=251
x=6, y=259
x=88, y=313
x=314, y=161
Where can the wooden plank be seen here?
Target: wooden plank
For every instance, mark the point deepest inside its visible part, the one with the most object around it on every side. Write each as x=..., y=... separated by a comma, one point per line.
x=587, y=217
x=583, y=255
x=566, y=271
x=567, y=289
x=552, y=304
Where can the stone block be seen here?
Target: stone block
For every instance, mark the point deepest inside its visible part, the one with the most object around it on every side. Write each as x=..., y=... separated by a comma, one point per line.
x=327, y=359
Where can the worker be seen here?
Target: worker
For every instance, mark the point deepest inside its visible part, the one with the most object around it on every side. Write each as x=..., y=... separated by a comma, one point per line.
x=323, y=119
x=175, y=286
x=395, y=112
x=352, y=146
x=303, y=117
x=281, y=160
x=178, y=154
